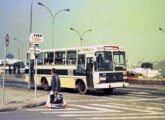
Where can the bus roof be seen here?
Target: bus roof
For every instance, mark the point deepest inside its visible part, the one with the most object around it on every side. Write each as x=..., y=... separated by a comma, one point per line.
x=90, y=48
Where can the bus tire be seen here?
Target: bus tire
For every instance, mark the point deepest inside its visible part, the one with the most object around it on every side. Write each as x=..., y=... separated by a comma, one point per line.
x=82, y=88
x=108, y=91
x=45, y=85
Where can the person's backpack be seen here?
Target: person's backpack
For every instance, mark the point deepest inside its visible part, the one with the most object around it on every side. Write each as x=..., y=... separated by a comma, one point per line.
x=56, y=98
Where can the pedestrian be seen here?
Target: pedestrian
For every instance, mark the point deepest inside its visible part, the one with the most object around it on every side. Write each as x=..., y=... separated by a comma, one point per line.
x=55, y=87
x=14, y=69
x=10, y=70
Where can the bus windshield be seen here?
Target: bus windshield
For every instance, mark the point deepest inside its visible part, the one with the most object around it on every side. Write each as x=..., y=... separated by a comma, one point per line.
x=103, y=61
x=119, y=60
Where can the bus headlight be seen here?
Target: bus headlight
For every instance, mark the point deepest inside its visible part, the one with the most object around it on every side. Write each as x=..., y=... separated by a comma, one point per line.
x=103, y=77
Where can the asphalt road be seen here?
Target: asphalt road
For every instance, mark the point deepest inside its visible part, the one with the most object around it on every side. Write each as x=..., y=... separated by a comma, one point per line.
x=131, y=103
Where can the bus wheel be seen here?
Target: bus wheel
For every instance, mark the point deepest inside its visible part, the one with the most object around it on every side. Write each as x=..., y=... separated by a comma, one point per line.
x=45, y=85
x=108, y=91
x=82, y=88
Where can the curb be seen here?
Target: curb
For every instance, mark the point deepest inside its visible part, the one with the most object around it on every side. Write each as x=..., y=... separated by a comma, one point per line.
x=22, y=107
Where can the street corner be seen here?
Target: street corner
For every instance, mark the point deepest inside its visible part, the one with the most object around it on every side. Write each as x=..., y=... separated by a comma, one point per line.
x=28, y=104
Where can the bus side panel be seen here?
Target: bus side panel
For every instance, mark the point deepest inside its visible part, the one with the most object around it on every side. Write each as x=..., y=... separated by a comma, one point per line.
x=67, y=82
x=27, y=78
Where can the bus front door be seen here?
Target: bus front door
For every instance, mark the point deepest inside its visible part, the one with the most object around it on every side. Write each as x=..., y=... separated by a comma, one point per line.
x=89, y=71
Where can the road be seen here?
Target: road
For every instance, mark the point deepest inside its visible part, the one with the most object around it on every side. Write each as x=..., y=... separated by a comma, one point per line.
x=131, y=103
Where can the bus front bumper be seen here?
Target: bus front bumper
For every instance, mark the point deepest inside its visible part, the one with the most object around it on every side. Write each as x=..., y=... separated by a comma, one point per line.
x=111, y=85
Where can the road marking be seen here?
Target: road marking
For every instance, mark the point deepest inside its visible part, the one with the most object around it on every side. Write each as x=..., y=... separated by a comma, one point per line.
x=4, y=112
x=125, y=108
x=148, y=99
x=142, y=93
x=75, y=112
x=85, y=100
x=110, y=114
x=51, y=109
x=119, y=118
x=95, y=108
x=143, y=90
x=125, y=105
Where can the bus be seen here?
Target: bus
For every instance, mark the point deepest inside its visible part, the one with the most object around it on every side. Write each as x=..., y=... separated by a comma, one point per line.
x=85, y=68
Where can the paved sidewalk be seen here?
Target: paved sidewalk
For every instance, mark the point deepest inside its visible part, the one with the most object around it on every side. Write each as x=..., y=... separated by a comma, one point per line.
x=16, y=99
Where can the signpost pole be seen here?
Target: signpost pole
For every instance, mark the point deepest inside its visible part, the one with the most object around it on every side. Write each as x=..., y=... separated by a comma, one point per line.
x=4, y=70
x=36, y=39
x=36, y=57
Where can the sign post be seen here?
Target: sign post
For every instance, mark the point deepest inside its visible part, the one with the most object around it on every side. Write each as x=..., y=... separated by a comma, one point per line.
x=36, y=39
x=4, y=70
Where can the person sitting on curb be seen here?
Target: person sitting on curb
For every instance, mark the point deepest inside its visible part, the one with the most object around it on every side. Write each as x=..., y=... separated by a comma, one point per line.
x=55, y=88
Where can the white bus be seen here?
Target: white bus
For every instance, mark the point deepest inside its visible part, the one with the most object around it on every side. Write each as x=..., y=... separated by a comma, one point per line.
x=85, y=68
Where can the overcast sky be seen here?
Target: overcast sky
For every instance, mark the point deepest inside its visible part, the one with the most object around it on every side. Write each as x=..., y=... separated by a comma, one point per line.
x=133, y=24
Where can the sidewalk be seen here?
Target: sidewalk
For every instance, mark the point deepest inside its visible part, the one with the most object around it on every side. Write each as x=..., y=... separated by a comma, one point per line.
x=16, y=99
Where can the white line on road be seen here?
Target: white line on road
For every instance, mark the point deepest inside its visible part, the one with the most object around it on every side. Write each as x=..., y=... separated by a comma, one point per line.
x=95, y=108
x=160, y=98
x=122, y=118
x=143, y=90
x=51, y=109
x=142, y=93
x=124, y=108
x=75, y=112
x=110, y=114
x=125, y=105
x=4, y=112
x=85, y=100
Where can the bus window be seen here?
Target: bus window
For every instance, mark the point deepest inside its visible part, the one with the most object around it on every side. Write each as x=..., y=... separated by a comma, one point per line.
x=49, y=58
x=119, y=60
x=103, y=61
x=71, y=57
x=40, y=59
x=60, y=58
x=81, y=65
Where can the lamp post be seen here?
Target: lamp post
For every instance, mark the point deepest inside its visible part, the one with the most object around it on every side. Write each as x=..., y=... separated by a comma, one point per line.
x=21, y=46
x=53, y=17
x=31, y=20
x=81, y=35
x=161, y=30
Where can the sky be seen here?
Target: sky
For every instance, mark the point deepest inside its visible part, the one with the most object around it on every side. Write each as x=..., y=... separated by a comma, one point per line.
x=132, y=24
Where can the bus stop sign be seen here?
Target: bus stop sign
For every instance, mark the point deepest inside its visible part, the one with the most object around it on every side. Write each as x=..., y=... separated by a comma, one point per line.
x=36, y=38
x=7, y=40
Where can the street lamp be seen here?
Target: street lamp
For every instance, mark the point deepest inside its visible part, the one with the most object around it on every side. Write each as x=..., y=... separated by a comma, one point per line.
x=161, y=30
x=31, y=20
x=53, y=17
x=81, y=35
x=21, y=46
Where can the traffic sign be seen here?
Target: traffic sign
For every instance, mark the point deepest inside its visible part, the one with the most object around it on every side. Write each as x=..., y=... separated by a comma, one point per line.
x=7, y=40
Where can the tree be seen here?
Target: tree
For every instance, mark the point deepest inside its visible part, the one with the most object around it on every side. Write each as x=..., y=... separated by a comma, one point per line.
x=147, y=65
